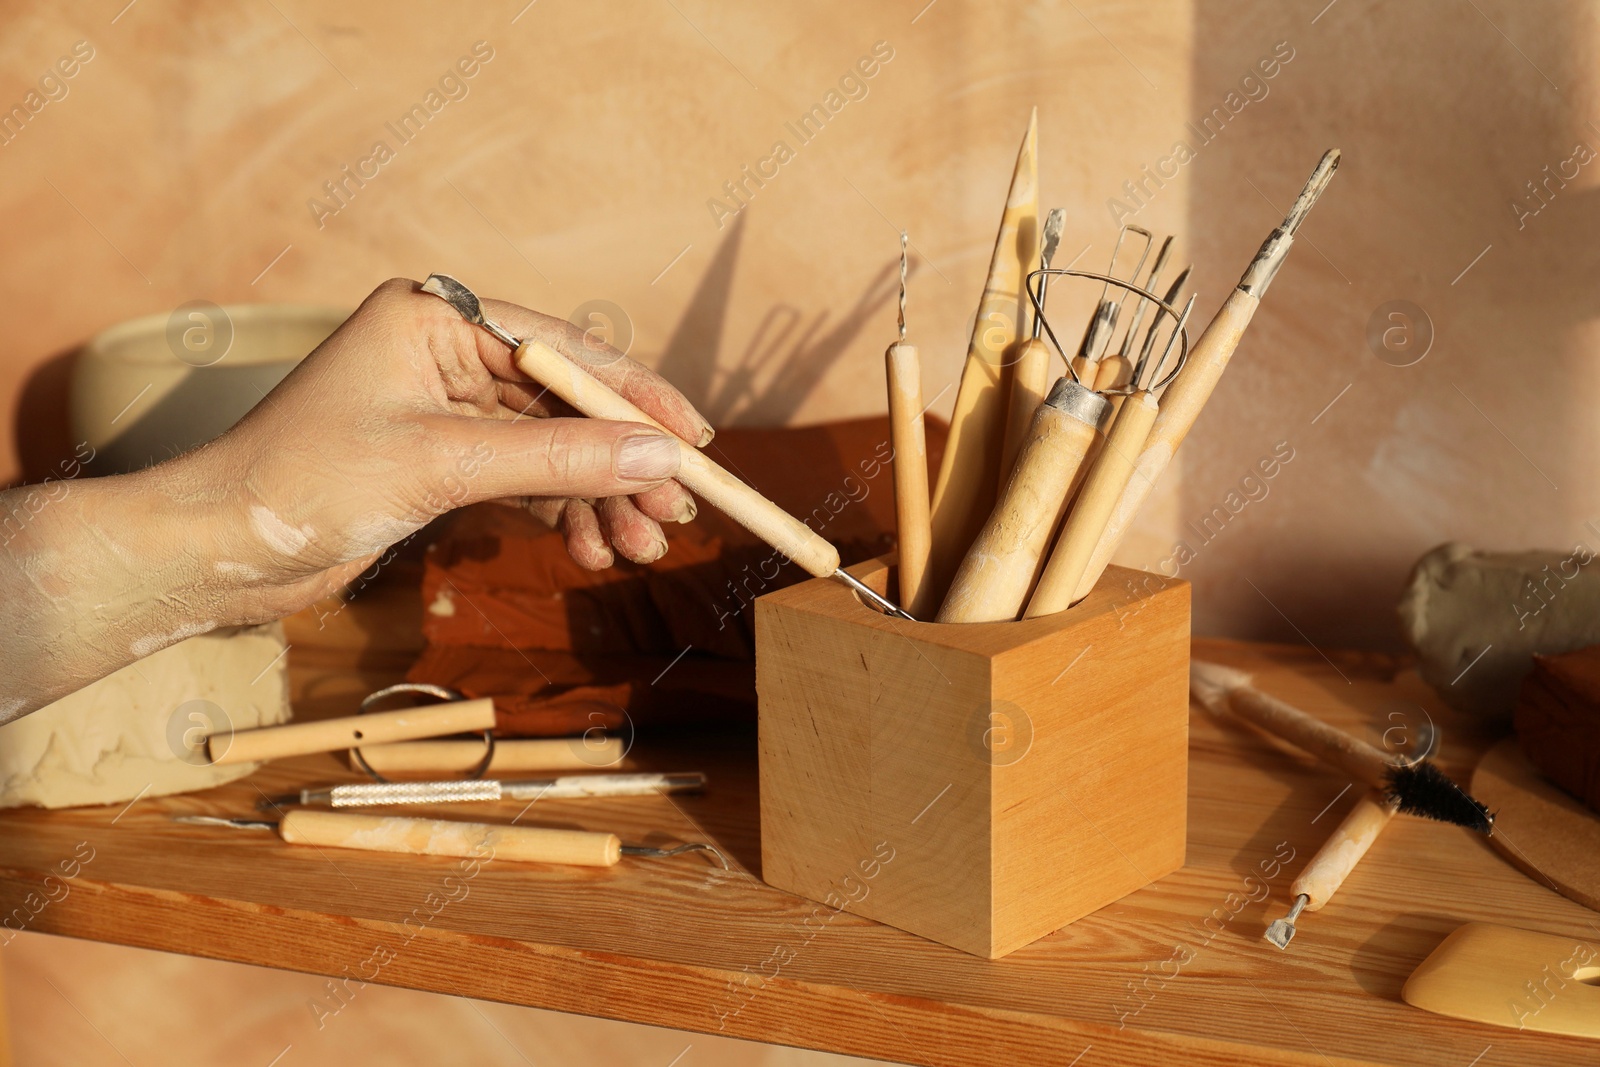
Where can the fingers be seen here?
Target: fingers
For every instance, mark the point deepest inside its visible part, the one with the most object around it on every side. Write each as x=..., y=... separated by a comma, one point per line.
x=667, y=502
x=580, y=526
x=481, y=459
x=646, y=389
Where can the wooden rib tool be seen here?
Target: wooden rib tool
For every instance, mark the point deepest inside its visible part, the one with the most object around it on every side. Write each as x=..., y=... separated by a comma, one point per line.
x=1107, y=478
x=994, y=578
x=914, y=538
x=969, y=471
x=793, y=538
x=1181, y=403
x=1030, y=374
x=1416, y=786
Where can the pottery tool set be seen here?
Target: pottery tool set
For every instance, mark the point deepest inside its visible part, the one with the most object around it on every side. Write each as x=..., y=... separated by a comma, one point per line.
x=395, y=741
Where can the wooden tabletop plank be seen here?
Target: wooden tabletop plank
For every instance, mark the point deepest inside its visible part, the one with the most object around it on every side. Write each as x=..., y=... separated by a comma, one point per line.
x=1177, y=972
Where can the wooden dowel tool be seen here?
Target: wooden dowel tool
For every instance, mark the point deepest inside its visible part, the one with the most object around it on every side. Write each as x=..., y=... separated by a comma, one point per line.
x=1322, y=877
x=444, y=837
x=352, y=731
x=1181, y=403
x=993, y=581
x=1107, y=478
x=1416, y=786
x=913, y=535
x=586, y=393
x=969, y=471
x=1030, y=374
x=542, y=754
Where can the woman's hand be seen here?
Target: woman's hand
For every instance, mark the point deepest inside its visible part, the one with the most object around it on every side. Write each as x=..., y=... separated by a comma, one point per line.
x=404, y=413
x=408, y=411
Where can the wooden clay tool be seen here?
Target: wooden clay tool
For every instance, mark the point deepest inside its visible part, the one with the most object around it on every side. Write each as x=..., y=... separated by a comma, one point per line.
x=376, y=794
x=969, y=471
x=441, y=837
x=351, y=731
x=1181, y=403
x=993, y=581
x=1514, y=978
x=913, y=536
x=587, y=394
x=1416, y=786
x=1107, y=478
x=543, y=754
x=1097, y=335
x=1030, y=374
x=1320, y=879
x=1117, y=370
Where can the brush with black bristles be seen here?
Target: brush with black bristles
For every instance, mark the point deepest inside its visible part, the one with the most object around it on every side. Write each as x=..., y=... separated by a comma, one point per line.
x=1415, y=786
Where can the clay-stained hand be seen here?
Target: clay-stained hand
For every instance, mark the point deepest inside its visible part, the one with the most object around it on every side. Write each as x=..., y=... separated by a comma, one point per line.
x=408, y=411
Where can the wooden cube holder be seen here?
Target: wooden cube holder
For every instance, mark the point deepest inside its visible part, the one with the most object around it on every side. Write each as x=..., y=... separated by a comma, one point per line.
x=980, y=785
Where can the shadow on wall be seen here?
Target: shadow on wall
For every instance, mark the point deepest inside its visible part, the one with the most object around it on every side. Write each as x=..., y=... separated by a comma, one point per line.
x=1483, y=429
x=781, y=363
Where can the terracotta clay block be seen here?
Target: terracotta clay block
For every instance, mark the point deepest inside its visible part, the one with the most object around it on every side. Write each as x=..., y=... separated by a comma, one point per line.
x=1558, y=721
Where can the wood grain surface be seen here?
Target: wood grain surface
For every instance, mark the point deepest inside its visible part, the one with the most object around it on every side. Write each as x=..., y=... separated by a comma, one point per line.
x=681, y=943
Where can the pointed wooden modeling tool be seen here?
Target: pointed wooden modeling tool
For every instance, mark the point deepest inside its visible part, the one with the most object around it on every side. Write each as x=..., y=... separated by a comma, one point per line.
x=697, y=471
x=465, y=790
x=969, y=471
x=1181, y=403
x=913, y=536
x=1417, y=787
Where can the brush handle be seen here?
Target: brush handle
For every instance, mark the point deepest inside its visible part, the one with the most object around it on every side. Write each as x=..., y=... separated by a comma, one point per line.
x=351, y=731
x=557, y=754
x=793, y=538
x=1331, y=745
x=1180, y=407
x=993, y=580
x=914, y=536
x=1030, y=384
x=1339, y=855
x=440, y=837
x=1092, y=511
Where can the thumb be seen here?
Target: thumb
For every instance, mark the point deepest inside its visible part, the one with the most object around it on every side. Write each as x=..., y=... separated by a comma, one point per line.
x=490, y=458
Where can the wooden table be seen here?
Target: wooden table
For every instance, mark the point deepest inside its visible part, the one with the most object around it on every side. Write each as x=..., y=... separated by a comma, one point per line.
x=680, y=943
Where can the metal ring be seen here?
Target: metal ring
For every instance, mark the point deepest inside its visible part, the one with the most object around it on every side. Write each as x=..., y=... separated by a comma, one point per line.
x=443, y=693
x=1162, y=307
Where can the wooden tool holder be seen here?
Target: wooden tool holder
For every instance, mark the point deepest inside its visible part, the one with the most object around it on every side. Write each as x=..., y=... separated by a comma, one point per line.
x=978, y=784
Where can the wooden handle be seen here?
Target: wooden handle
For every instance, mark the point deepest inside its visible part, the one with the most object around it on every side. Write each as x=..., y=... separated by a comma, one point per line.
x=1030, y=382
x=1092, y=510
x=1339, y=855
x=351, y=731
x=1212, y=684
x=699, y=472
x=906, y=433
x=969, y=470
x=1180, y=406
x=993, y=581
x=443, y=837
x=435, y=757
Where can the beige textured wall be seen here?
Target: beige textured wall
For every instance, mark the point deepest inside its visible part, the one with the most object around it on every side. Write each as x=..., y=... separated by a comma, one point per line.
x=579, y=166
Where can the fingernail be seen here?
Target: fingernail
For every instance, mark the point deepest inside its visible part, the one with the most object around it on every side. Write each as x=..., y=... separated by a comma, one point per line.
x=706, y=434
x=657, y=549
x=647, y=458
x=687, y=508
